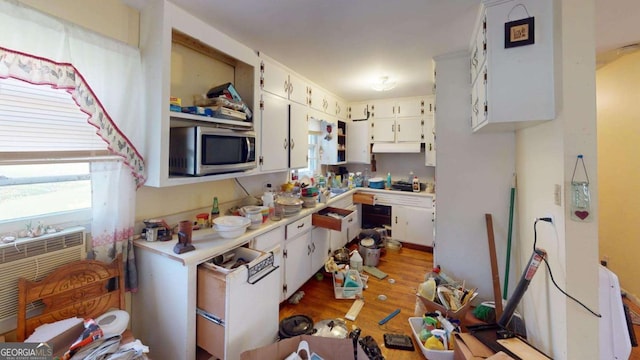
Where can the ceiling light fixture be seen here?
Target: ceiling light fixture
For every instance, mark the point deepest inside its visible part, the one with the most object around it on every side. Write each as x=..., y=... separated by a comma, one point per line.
x=383, y=84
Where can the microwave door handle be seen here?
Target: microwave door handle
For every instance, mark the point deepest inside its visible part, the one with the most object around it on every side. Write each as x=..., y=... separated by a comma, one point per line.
x=248, y=155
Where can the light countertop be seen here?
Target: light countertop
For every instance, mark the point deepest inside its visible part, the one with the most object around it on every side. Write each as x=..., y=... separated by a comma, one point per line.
x=208, y=243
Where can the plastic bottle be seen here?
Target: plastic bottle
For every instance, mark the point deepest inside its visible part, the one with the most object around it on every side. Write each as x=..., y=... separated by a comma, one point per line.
x=416, y=184
x=388, y=180
x=428, y=289
x=215, y=211
x=355, y=261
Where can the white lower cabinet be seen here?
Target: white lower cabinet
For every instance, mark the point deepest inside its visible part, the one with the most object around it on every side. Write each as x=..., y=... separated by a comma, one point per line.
x=228, y=309
x=412, y=224
x=305, y=251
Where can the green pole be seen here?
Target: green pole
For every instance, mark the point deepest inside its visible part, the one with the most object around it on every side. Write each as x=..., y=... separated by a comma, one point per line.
x=506, y=271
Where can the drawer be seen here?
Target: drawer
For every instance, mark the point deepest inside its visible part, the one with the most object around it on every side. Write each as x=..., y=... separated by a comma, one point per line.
x=331, y=218
x=210, y=336
x=298, y=227
x=363, y=198
x=211, y=291
x=269, y=240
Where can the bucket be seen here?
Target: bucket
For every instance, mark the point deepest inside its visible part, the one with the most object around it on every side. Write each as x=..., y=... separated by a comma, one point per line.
x=369, y=251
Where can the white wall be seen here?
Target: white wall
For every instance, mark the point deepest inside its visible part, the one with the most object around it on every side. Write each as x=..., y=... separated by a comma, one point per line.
x=474, y=176
x=546, y=156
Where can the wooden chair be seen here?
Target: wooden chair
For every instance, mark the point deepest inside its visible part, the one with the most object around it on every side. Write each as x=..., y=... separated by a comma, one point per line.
x=81, y=288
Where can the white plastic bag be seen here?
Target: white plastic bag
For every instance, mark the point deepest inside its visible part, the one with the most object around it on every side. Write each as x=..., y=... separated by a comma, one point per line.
x=303, y=353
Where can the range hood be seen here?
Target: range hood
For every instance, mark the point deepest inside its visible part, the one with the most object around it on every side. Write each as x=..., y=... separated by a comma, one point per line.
x=396, y=147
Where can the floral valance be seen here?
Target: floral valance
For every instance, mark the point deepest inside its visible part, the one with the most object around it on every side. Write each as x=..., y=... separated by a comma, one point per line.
x=41, y=71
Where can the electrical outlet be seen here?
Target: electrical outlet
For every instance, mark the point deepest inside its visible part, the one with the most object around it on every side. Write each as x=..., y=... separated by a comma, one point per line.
x=553, y=219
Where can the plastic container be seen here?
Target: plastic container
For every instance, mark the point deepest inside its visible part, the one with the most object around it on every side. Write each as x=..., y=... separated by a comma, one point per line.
x=342, y=291
x=416, y=327
x=388, y=184
x=428, y=289
x=355, y=261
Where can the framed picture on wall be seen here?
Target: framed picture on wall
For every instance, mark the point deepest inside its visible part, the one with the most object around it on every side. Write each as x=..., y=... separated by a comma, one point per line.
x=519, y=32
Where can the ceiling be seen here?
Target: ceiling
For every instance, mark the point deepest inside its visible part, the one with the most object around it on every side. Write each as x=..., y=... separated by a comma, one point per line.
x=343, y=46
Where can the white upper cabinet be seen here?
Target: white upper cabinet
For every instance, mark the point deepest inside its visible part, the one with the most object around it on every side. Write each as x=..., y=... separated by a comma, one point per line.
x=322, y=100
x=183, y=56
x=275, y=133
x=342, y=110
x=513, y=84
x=277, y=80
x=298, y=135
x=359, y=144
x=397, y=120
x=358, y=111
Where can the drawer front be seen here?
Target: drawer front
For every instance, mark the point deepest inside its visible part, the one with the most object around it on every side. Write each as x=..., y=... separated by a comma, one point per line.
x=211, y=292
x=343, y=203
x=210, y=336
x=298, y=227
x=409, y=200
x=362, y=198
x=324, y=220
x=270, y=240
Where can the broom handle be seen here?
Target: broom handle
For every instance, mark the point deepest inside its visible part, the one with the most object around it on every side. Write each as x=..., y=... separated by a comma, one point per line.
x=494, y=266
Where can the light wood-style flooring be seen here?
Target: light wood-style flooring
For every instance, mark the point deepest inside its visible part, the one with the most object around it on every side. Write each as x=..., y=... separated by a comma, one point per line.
x=406, y=268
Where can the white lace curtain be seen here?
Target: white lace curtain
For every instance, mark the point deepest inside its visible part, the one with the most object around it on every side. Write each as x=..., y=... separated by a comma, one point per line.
x=104, y=77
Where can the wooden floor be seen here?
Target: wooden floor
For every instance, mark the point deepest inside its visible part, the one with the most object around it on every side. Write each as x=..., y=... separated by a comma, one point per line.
x=407, y=268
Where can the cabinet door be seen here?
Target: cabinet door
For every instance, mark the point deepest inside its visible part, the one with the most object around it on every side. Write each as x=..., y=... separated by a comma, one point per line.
x=320, y=248
x=338, y=239
x=384, y=129
x=409, y=129
x=359, y=111
x=409, y=108
x=482, y=101
x=329, y=104
x=274, y=79
x=297, y=90
x=298, y=136
x=429, y=132
x=412, y=224
x=341, y=110
x=317, y=98
x=275, y=137
x=358, y=149
x=383, y=109
x=329, y=142
x=297, y=267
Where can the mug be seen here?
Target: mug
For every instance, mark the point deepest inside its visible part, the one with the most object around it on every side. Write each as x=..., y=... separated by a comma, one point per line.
x=253, y=213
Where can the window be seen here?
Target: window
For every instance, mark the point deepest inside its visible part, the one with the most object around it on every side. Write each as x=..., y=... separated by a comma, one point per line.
x=46, y=145
x=35, y=190
x=313, y=156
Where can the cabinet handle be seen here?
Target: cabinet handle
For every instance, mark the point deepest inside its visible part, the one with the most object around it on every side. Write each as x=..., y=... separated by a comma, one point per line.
x=300, y=226
x=286, y=86
x=284, y=144
x=350, y=220
x=398, y=127
x=430, y=147
x=398, y=110
x=396, y=219
x=393, y=127
x=290, y=88
x=293, y=143
x=308, y=250
x=313, y=247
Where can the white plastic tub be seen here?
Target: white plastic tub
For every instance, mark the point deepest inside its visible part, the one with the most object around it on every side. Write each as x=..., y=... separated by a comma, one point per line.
x=416, y=327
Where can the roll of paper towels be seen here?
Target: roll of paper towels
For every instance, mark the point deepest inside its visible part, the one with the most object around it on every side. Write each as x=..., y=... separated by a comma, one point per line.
x=113, y=322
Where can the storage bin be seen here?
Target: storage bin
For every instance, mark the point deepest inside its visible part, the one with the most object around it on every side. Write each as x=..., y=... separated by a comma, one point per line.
x=416, y=327
x=348, y=292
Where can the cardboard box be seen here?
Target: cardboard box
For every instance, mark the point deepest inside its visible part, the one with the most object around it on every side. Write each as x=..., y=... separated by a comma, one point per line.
x=467, y=347
x=327, y=348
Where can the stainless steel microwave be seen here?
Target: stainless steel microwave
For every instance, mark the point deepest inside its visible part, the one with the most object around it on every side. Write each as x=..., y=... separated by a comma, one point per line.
x=203, y=150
